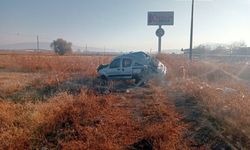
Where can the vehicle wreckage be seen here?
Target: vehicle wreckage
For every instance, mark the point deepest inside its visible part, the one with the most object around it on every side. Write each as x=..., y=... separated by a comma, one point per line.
x=136, y=66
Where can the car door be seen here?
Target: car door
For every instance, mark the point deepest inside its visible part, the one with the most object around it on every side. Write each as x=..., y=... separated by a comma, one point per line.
x=114, y=70
x=126, y=68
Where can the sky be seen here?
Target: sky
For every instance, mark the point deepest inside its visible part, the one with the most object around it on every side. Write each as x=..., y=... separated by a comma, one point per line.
x=122, y=24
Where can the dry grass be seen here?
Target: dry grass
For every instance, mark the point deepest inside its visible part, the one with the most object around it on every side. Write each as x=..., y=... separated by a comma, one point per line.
x=86, y=120
x=116, y=121
x=12, y=81
x=51, y=63
x=216, y=87
x=54, y=68
x=227, y=106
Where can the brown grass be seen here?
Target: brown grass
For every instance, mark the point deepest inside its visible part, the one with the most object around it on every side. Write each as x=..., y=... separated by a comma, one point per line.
x=54, y=68
x=116, y=121
x=230, y=107
x=86, y=120
x=225, y=96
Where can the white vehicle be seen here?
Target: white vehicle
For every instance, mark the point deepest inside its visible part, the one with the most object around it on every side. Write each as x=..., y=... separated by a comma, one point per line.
x=136, y=65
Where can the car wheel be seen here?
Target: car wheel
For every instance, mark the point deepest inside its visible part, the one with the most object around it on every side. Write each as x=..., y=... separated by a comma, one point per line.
x=102, y=81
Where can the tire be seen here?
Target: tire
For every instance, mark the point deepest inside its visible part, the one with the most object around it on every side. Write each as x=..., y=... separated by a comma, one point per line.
x=137, y=79
x=102, y=81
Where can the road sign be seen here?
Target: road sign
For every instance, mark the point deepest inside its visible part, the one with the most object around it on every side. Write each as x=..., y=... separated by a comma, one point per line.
x=160, y=32
x=161, y=18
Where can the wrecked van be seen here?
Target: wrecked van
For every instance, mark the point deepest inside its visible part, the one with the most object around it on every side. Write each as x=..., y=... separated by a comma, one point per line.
x=136, y=65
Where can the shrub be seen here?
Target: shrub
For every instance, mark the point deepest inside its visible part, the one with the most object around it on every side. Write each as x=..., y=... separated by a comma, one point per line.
x=61, y=46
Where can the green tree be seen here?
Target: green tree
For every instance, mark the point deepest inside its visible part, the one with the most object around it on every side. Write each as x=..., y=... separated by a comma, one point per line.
x=60, y=46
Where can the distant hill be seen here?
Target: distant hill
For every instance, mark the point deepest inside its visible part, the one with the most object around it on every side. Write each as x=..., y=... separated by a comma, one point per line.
x=46, y=46
x=172, y=51
x=28, y=45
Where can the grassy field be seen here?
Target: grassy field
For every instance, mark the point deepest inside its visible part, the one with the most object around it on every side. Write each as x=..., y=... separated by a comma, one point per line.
x=50, y=101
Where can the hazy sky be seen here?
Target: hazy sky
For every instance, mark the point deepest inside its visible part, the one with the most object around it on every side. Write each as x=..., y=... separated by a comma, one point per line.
x=122, y=24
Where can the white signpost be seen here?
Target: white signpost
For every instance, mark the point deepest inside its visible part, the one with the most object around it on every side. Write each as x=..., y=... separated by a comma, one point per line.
x=159, y=19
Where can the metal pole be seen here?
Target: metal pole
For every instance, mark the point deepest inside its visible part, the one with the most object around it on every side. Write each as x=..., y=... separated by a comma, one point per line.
x=191, y=32
x=37, y=43
x=159, y=42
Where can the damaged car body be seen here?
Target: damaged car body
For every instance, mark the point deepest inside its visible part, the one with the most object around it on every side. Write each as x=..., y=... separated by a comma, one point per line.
x=137, y=65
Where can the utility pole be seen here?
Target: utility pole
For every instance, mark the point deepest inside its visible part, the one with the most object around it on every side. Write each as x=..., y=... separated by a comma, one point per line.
x=86, y=49
x=37, y=43
x=191, y=32
x=104, y=50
